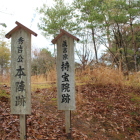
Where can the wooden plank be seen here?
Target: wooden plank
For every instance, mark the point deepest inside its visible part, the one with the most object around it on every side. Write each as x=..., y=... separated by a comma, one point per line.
x=23, y=135
x=8, y=35
x=21, y=72
x=19, y=25
x=70, y=35
x=61, y=34
x=68, y=121
x=65, y=73
x=27, y=29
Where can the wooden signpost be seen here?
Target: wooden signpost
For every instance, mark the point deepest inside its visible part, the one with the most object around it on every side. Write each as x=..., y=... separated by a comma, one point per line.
x=21, y=73
x=65, y=75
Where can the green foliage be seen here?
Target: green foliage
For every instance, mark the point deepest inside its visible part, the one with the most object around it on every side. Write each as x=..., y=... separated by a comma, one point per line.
x=42, y=62
x=122, y=33
x=3, y=24
x=111, y=23
x=91, y=18
x=4, y=54
x=56, y=17
x=90, y=11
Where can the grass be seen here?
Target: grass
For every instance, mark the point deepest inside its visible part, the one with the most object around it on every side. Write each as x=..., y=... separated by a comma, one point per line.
x=134, y=97
x=35, y=86
x=5, y=79
x=3, y=93
x=41, y=82
x=100, y=75
x=54, y=99
x=134, y=113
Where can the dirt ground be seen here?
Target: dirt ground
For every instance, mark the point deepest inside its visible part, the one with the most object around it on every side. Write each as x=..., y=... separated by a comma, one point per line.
x=107, y=112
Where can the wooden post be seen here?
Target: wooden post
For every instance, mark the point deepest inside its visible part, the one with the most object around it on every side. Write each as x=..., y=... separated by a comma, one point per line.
x=23, y=135
x=21, y=73
x=65, y=75
x=68, y=123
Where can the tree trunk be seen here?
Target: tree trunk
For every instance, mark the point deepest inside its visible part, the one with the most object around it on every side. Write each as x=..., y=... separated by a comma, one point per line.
x=108, y=36
x=95, y=47
x=1, y=71
x=133, y=41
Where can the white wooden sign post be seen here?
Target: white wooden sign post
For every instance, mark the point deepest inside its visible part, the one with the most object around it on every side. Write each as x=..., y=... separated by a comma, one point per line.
x=65, y=74
x=21, y=73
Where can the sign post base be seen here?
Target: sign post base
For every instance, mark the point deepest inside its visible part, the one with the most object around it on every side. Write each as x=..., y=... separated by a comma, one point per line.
x=68, y=123
x=23, y=135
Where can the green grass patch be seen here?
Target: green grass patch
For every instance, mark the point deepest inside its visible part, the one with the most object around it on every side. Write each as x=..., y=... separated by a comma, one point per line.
x=80, y=83
x=134, y=98
x=54, y=99
x=4, y=83
x=4, y=94
x=35, y=86
x=134, y=113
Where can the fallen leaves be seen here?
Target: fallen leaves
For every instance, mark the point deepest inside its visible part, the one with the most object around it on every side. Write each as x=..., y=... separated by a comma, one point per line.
x=103, y=112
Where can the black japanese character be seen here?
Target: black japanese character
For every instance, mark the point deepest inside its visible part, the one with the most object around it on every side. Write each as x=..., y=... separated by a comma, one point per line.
x=20, y=86
x=65, y=77
x=20, y=100
x=20, y=58
x=65, y=56
x=65, y=50
x=20, y=72
x=65, y=98
x=65, y=66
x=20, y=40
x=19, y=49
x=65, y=87
x=64, y=44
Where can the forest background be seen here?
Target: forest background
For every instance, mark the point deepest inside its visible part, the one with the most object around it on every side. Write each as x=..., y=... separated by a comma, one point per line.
x=111, y=24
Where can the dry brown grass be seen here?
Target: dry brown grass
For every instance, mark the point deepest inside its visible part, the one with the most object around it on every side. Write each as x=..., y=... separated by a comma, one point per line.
x=49, y=77
x=38, y=79
x=101, y=76
x=133, y=79
x=5, y=79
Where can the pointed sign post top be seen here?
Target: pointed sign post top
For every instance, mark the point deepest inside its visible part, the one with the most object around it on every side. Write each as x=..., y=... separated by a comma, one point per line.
x=63, y=32
x=19, y=26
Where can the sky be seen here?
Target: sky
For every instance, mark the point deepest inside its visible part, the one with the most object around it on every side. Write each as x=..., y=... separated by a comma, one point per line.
x=24, y=11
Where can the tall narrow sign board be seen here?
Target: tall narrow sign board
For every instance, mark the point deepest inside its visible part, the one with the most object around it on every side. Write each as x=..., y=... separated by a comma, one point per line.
x=20, y=71
x=65, y=71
